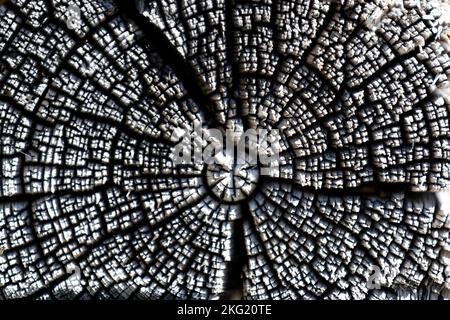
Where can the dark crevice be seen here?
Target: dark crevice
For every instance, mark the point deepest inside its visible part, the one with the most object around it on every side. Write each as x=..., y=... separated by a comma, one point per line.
x=170, y=55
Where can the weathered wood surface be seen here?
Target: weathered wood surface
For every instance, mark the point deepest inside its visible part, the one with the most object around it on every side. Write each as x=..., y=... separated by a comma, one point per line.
x=88, y=185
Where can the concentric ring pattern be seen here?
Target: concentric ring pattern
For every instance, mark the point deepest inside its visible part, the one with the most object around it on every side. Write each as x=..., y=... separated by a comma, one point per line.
x=88, y=113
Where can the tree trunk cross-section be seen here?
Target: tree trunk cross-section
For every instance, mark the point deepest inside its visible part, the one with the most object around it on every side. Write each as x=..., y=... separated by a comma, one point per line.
x=94, y=206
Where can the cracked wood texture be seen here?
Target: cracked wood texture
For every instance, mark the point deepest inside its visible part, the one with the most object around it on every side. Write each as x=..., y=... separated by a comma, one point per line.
x=92, y=206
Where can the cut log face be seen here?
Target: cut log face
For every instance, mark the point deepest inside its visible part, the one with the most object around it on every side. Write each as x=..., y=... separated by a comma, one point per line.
x=332, y=198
